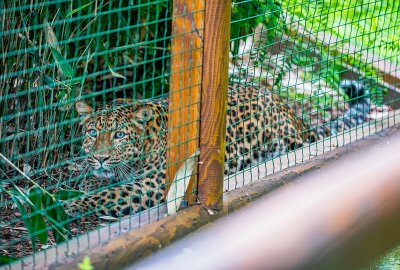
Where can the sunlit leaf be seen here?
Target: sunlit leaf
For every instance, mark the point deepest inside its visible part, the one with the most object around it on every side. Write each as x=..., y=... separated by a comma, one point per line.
x=78, y=9
x=50, y=35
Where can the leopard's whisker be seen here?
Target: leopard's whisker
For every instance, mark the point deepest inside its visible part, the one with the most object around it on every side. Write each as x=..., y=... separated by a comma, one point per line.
x=121, y=173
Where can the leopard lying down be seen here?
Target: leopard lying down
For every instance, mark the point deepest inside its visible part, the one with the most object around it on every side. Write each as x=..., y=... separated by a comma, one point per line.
x=126, y=141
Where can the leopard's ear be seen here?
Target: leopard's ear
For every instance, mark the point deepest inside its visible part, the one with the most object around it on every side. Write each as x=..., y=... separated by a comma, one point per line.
x=84, y=110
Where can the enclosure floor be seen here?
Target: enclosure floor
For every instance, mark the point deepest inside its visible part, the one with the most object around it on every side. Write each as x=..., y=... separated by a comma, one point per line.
x=232, y=182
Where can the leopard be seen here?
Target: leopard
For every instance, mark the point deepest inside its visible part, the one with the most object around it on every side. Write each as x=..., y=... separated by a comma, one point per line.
x=126, y=140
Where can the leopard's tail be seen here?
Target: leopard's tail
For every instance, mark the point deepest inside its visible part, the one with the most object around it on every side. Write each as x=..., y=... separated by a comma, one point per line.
x=356, y=113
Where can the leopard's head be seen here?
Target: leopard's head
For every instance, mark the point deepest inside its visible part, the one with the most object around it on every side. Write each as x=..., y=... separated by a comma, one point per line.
x=119, y=136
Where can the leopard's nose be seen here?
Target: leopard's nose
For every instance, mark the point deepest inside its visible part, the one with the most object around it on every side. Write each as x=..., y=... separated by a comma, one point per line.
x=101, y=158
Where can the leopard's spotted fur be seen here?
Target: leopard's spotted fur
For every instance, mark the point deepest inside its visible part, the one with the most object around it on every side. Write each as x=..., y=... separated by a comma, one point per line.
x=259, y=126
x=136, y=161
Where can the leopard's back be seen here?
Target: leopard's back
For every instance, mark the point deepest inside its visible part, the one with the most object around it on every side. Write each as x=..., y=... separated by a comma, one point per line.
x=259, y=127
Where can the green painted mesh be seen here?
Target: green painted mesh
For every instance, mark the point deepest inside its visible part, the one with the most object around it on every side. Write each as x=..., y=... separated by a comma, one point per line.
x=306, y=54
x=54, y=53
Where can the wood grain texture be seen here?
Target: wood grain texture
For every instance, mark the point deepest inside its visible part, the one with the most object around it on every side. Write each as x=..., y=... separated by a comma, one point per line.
x=185, y=85
x=214, y=102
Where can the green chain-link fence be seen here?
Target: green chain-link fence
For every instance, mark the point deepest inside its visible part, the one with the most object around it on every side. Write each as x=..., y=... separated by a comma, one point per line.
x=54, y=53
x=87, y=87
x=329, y=61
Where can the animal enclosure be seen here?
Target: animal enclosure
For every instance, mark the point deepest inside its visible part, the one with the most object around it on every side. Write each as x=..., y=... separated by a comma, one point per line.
x=110, y=110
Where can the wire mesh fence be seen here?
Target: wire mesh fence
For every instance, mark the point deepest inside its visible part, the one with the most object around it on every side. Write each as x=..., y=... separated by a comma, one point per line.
x=307, y=72
x=100, y=102
x=84, y=115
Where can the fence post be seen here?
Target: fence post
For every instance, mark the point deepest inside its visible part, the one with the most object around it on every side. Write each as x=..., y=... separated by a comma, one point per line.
x=214, y=102
x=185, y=85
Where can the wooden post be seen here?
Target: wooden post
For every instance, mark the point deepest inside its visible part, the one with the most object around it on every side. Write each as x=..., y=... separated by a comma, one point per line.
x=185, y=84
x=214, y=102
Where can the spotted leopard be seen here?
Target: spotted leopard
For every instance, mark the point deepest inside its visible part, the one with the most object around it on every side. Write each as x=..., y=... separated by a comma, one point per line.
x=126, y=140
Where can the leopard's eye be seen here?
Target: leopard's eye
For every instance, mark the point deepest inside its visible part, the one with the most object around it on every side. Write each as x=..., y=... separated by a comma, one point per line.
x=119, y=135
x=92, y=132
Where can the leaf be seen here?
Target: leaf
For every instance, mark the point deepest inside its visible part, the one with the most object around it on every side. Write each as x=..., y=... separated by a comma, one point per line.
x=62, y=63
x=57, y=217
x=78, y=9
x=18, y=201
x=37, y=219
x=48, y=82
x=6, y=259
x=180, y=184
x=55, y=213
x=64, y=194
x=19, y=194
x=50, y=36
x=85, y=264
x=27, y=169
x=115, y=74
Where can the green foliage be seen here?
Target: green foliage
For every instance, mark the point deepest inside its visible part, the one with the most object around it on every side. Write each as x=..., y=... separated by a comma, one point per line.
x=352, y=22
x=370, y=73
x=318, y=61
x=78, y=9
x=37, y=220
x=371, y=25
x=89, y=38
x=43, y=208
x=62, y=64
x=4, y=260
x=248, y=14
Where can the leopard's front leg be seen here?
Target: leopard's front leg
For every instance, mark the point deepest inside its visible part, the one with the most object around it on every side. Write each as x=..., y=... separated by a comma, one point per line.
x=117, y=201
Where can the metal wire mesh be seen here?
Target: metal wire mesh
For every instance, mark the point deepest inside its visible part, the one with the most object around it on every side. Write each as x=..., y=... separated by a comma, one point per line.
x=328, y=62
x=305, y=77
x=84, y=88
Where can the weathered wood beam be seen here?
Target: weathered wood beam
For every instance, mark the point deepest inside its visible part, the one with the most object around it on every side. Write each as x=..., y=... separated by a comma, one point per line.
x=214, y=102
x=185, y=85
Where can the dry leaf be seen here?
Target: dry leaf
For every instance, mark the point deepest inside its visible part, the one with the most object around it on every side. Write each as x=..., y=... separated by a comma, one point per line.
x=180, y=184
